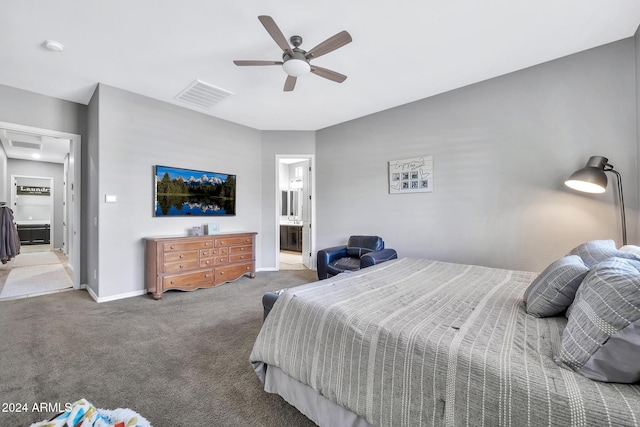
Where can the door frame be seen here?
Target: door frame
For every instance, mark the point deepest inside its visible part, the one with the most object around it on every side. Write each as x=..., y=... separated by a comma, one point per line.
x=73, y=179
x=310, y=186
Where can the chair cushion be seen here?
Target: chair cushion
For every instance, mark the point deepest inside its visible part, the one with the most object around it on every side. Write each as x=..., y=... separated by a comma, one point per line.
x=360, y=245
x=602, y=338
x=346, y=263
x=555, y=288
x=357, y=252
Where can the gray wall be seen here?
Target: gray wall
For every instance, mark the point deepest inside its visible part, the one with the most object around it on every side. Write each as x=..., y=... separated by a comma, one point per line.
x=90, y=196
x=502, y=150
x=277, y=143
x=44, y=170
x=135, y=133
x=637, y=56
x=31, y=109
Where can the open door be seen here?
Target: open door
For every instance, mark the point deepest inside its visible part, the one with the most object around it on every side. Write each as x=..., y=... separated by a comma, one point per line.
x=306, y=216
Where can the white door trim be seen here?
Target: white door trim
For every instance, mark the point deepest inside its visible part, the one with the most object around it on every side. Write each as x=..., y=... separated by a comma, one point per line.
x=311, y=191
x=73, y=180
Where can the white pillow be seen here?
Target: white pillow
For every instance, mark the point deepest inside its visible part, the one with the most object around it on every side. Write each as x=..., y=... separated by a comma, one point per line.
x=631, y=248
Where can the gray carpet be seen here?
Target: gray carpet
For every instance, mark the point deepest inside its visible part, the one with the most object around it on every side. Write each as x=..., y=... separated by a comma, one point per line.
x=179, y=361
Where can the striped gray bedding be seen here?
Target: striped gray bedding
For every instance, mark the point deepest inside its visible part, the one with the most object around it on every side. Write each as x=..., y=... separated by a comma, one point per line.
x=415, y=342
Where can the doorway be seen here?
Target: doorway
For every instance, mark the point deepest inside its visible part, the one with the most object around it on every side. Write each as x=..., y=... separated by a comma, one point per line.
x=22, y=144
x=32, y=201
x=295, y=214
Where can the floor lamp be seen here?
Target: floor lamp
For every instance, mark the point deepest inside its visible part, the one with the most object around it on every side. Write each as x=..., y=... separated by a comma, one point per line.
x=592, y=179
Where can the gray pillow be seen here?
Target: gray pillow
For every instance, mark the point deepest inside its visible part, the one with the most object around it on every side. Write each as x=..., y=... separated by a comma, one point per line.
x=602, y=338
x=598, y=250
x=555, y=288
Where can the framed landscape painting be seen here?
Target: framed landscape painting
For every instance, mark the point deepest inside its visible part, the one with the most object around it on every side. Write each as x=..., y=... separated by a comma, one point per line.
x=184, y=192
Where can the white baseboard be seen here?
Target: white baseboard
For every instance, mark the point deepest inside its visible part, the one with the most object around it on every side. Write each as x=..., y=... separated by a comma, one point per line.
x=115, y=297
x=272, y=269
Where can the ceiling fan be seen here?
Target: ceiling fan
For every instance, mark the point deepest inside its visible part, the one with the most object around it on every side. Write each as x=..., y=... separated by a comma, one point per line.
x=295, y=61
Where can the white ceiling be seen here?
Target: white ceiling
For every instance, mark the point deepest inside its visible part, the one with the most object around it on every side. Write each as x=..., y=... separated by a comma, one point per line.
x=402, y=50
x=34, y=146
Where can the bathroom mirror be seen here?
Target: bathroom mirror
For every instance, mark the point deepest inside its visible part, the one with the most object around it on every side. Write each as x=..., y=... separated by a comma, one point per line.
x=293, y=204
x=283, y=203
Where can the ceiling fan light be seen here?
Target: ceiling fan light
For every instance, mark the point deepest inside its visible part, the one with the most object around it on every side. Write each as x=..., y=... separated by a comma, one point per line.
x=296, y=67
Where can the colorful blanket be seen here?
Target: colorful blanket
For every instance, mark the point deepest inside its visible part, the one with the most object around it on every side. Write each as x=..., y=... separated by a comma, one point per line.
x=84, y=414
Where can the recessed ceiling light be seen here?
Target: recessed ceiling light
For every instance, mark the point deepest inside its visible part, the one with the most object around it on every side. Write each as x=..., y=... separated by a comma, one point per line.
x=53, y=45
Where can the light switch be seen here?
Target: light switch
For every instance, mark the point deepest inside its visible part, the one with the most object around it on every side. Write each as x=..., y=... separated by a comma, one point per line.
x=110, y=198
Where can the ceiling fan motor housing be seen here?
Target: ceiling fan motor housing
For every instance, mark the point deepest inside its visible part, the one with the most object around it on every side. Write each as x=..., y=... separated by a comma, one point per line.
x=296, y=65
x=295, y=61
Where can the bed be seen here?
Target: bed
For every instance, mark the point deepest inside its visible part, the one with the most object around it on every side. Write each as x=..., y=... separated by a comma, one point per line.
x=415, y=342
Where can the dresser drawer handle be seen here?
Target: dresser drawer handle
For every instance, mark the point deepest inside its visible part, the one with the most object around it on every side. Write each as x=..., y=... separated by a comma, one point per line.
x=221, y=273
x=248, y=269
x=181, y=266
x=181, y=256
x=221, y=242
x=241, y=249
x=206, y=276
x=206, y=244
x=207, y=262
x=172, y=247
x=241, y=256
x=172, y=282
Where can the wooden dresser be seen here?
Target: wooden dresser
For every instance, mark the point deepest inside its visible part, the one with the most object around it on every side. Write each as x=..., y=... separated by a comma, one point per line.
x=193, y=262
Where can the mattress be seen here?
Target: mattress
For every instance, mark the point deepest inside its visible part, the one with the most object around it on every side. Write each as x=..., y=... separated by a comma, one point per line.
x=414, y=342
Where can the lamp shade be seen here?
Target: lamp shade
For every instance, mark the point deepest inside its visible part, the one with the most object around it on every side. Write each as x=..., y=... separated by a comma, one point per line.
x=591, y=178
x=296, y=67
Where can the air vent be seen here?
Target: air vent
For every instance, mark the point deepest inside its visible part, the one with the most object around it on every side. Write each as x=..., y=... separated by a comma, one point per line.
x=203, y=95
x=28, y=145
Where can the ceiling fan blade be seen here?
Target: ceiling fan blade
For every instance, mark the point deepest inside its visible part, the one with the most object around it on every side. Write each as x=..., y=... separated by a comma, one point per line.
x=329, y=45
x=243, y=63
x=290, y=83
x=275, y=33
x=328, y=74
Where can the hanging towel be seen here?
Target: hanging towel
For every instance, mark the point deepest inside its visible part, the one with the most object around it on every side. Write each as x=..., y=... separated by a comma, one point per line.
x=9, y=239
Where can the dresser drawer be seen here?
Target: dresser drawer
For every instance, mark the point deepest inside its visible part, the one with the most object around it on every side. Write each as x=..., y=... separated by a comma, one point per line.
x=240, y=249
x=174, y=267
x=234, y=241
x=220, y=260
x=189, y=280
x=241, y=257
x=232, y=272
x=187, y=246
x=180, y=256
x=206, y=262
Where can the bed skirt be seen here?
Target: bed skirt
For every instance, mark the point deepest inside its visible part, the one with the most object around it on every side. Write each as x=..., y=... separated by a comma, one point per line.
x=316, y=407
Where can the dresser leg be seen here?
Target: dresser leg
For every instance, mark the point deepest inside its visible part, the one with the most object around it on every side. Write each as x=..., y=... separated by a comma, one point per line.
x=252, y=275
x=157, y=296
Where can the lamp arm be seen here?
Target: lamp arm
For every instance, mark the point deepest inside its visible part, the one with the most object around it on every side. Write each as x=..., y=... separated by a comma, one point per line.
x=621, y=198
